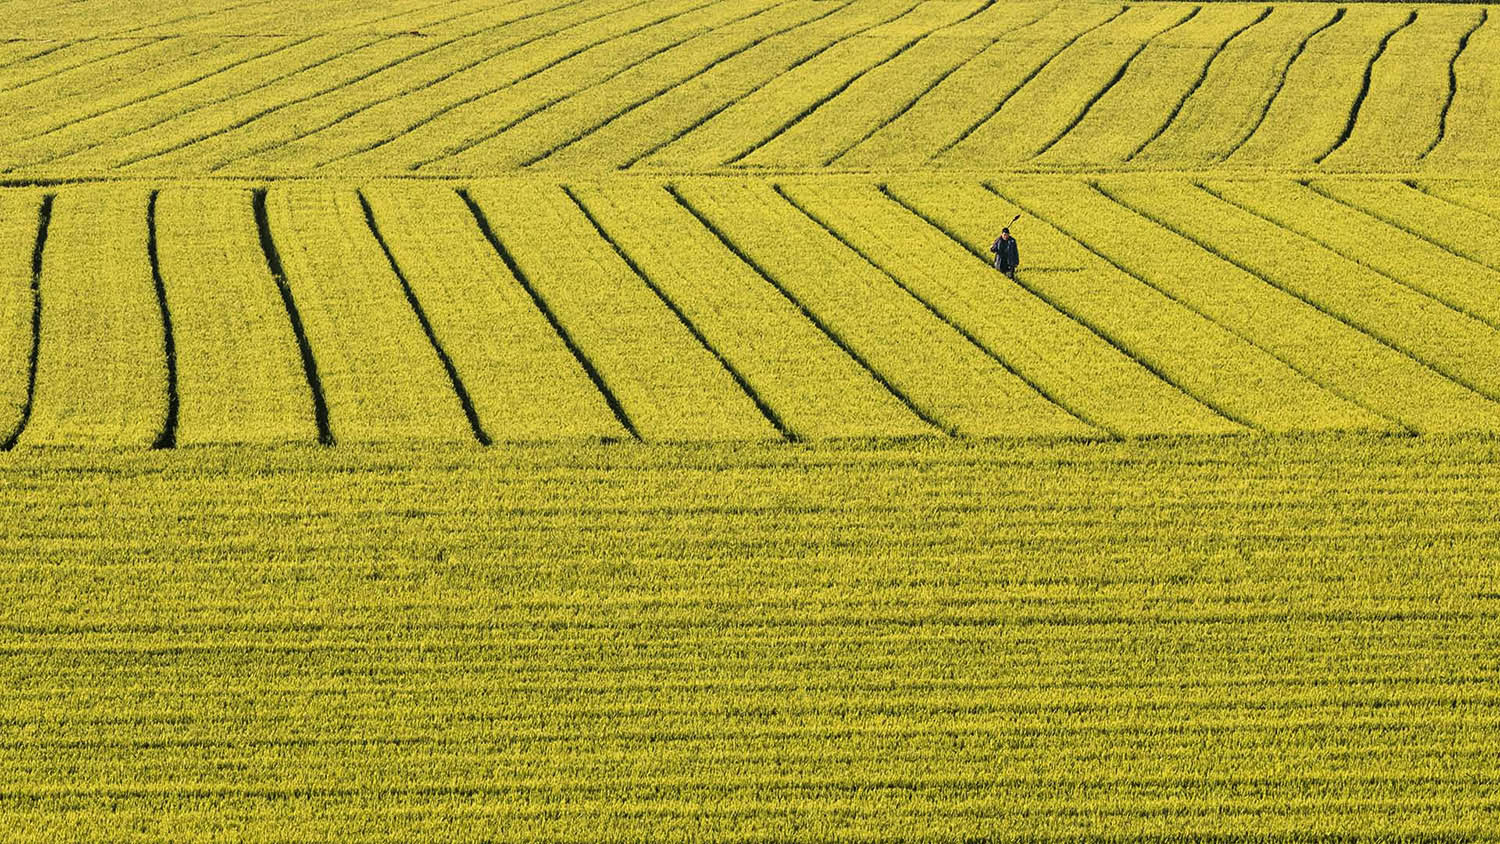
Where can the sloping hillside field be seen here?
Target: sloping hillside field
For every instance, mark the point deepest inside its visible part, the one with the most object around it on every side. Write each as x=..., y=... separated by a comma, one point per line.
x=599, y=420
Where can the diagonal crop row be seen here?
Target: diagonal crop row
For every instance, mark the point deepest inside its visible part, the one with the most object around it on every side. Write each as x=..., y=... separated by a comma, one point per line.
x=665, y=381
x=786, y=142
x=576, y=105
x=516, y=61
x=666, y=119
x=1056, y=353
x=938, y=372
x=810, y=387
x=1285, y=315
x=389, y=54
x=583, y=54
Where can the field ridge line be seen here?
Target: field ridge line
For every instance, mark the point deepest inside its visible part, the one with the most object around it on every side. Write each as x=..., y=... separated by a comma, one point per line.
x=811, y=317
x=1463, y=44
x=765, y=408
x=675, y=85
x=509, y=260
x=1085, y=323
x=717, y=110
x=974, y=127
x=830, y=96
x=1364, y=88
x=462, y=392
x=1245, y=338
x=943, y=77
x=1295, y=232
x=1198, y=83
x=167, y=438
x=1245, y=268
x=460, y=103
x=1260, y=120
x=420, y=53
x=145, y=41
x=950, y=322
x=44, y=219
x=1114, y=80
x=466, y=145
x=304, y=347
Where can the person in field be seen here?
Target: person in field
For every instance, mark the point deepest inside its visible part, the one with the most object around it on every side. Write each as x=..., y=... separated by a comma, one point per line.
x=1007, y=255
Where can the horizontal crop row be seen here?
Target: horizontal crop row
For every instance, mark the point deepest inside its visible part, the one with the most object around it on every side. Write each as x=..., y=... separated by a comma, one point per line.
x=693, y=85
x=741, y=310
x=1254, y=638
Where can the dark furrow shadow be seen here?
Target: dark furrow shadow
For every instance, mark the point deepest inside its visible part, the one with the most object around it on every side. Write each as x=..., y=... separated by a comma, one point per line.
x=943, y=77
x=541, y=305
x=1245, y=268
x=278, y=275
x=1198, y=83
x=766, y=410
x=1114, y=80
x=1463, y=44
x=168, y=436
x=675, y=85
x=1286, y=69
x=1364, y=89
x=1456, y=308
x=1396, y=224
x=823, y=100
x=935, y=311
x=716, y=111
x=145, y=42
x=465, y=146
x=1036, y=71
x=810, y=316
x=574, y=53
x=464, y=399
x=44, y=219
x=1080, y=320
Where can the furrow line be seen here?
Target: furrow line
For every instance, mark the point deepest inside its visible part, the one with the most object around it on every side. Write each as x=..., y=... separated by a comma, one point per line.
x=737, y=100
x=811, y=317
x=464, y=399
x=935, y=311
x=168, y=436
x=771, y=416
x=1364, y=89
x=912, y=103
x=1202, y=77
x=47, y=52
x=1352, y=258
x=1114, y=80
x=1396, y=224
x=543, y=106
x=1477, y=209
x=819, y=103
x=1463, y=43
x=420, y=53
x=974, y=127
x=144, y=43
x=342, y=85
x=661, y=91
x=1245, y=268
x=1082, y=321
x=541, y=305
x=443, y=78
x=219, y=11
x=304, y=348
x=522, y=78
x=44, y=219
x=1338, y=15
x=225, y=69
x=1078, y=238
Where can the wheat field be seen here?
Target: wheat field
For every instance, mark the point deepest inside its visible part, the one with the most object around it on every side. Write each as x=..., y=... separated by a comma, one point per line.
x=600, y=420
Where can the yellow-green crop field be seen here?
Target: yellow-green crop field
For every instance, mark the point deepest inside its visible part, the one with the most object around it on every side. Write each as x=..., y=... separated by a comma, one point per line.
x=599, y=420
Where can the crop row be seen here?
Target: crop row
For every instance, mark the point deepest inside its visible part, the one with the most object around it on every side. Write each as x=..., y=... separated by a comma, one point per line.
x=693, y=85
x=1241, y=638
x=710, y=309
